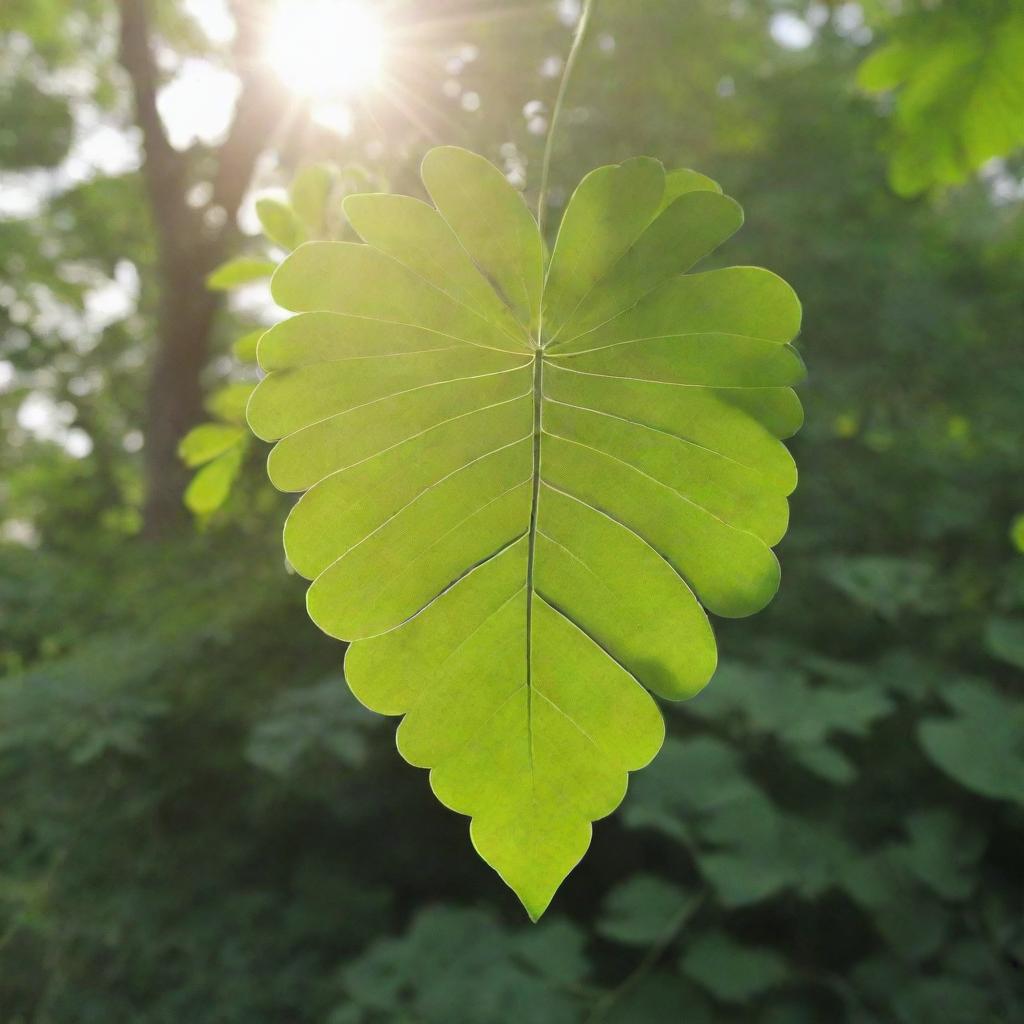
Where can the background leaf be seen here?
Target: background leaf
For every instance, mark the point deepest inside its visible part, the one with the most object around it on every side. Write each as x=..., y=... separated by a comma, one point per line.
x=207, y=441
x=238, y=271
x=280, y=223
x=211, y=486
x=642, y=910
x=732, y=972
x=981, y=745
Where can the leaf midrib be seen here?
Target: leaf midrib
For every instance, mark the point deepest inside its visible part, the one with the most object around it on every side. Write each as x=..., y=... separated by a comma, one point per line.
x=538, y=404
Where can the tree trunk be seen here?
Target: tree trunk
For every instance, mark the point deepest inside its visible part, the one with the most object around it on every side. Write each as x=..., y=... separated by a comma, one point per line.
x=187, y=248
x=175, y=399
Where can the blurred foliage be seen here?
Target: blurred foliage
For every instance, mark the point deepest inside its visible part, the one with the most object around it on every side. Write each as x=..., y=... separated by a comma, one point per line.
x=958, y=71
x=36, y=128
x=200, y=824
x=311, y=211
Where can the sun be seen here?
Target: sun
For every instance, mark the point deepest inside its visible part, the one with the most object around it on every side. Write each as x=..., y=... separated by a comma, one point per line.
x=326, y=49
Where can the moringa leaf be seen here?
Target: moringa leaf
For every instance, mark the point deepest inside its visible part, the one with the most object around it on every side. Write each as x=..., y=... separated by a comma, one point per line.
x=280, y=223
x=522, y=494
x=207, y=441
x=229, y=402
x=210, y=487
x=309, y=194
x=244, y=349
x=219, y=449
x=238, y=271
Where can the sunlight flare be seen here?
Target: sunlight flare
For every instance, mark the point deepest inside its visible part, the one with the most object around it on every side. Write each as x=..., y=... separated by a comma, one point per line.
x=327, y=49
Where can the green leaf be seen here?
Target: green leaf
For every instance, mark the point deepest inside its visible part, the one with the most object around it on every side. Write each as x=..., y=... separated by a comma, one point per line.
x=492, y=223
x=207, y=441
x=941, y=852
x=245, y=348
x=44, y=120
x=1004, y=639
x=518, y=525
x=683, y=180
x=658, y=998
x=280, y=223
x=887, y=585
x=910, y=919
x=304, y=723
x=211, y=486
x=238, y=271
x=1017, y=533
x=982, y=747
x=888, y=67
x=732, y=972
x=951, y=1000
x=643, y=910
x=309, y=193
x=827, y=763
x=555, y=951
x=744, y=845
x=461, y=965
x=959, y=83
x=229, y=402
x=802, y=717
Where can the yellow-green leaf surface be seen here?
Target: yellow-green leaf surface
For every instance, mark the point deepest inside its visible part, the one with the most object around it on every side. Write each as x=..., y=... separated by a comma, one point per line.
x=229, y=402
x=207, y=441
x=280, y=223
x=239, y=271
x=526, y=485
x=210, y=487
x=244, y=349
x=309, y=194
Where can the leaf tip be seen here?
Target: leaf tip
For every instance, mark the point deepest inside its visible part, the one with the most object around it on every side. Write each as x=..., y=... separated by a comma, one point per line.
x=532, y=857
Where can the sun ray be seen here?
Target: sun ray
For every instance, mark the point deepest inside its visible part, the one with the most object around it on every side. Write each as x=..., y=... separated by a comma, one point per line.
x=327, y=49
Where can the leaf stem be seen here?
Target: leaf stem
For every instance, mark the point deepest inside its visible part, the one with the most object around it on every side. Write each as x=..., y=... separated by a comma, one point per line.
x=570, y=62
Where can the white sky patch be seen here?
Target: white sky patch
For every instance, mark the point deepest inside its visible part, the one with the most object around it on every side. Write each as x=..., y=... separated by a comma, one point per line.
x=198, y=103
x=253, y=302
x=107, y=149
x=113, y=300
x=77, y=443
x=790, y=31
x=849, y=22
x=44, y=418
x=22, y=192
x=817, y=15
x=1003, y=186
x=569, y=11
x=47, y=420
x=214, y=18
x=19, y=531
